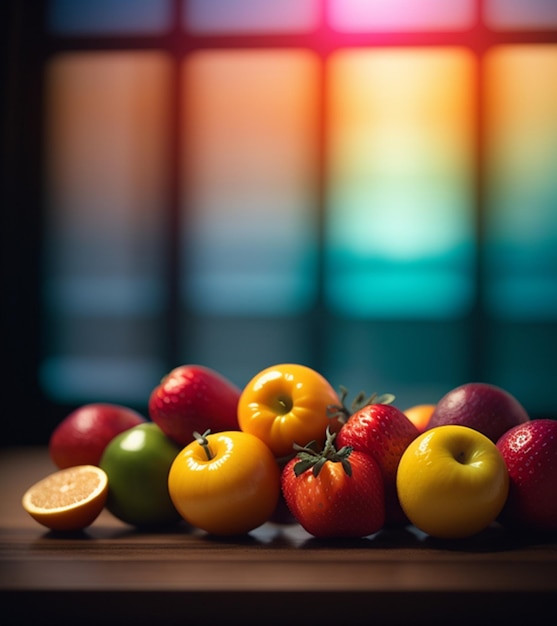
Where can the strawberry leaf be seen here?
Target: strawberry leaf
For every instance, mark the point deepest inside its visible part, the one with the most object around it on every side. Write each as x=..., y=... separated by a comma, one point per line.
x=302, y=466
x=314, y=460
x=343, y=413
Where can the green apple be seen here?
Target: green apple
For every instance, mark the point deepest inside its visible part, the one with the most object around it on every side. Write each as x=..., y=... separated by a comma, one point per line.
x=452, y=482
x=137, y=463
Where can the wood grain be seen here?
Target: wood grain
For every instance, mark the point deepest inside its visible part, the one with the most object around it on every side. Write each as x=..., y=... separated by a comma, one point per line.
x=112, y=572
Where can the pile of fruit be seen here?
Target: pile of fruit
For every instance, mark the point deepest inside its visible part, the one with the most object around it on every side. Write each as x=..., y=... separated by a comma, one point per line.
x=287, y=449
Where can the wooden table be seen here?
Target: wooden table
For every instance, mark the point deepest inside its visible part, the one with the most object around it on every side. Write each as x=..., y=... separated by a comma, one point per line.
x=114, y=574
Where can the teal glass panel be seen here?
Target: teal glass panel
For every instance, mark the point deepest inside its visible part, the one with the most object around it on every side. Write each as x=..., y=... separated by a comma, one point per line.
x=521, y=14
x=400, y=238
x=400, y=15
x=521, y=219
x=69, y=17
x=106, y=170
x=249, y=203
x=249, y=16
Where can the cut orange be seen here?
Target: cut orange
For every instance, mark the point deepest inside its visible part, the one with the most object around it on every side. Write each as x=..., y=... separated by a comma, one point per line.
x=69, y=499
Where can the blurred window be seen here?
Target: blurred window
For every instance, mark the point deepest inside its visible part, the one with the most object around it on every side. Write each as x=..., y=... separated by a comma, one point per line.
x=367, y=187
x=103, y=17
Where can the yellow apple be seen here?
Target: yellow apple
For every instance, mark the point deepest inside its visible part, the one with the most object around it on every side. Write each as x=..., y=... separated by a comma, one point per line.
x=452, y=482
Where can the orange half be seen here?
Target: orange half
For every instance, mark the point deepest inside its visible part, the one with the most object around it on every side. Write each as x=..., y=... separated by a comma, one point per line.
x=69, y=499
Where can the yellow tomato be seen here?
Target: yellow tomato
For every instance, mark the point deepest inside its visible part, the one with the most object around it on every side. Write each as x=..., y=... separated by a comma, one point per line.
x=286, y=404
x=225, y=483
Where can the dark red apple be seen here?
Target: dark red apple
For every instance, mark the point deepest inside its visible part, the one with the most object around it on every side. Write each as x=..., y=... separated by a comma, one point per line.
x=81, y=437
x=194, y=398
x=530, y=453
x=484, y=407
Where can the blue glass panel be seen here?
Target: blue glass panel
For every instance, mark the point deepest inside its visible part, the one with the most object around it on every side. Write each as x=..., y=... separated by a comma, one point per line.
x=109, y=16
x=250, y=15
x=503, y=14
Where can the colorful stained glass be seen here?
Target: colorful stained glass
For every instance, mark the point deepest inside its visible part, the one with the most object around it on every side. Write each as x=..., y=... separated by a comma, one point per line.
x=249, y=16
x=106, y=177
x=521, y=218
x=505, y=14
x=400, y=234
x=400, y=15
x=249, y=182
x=69, y=17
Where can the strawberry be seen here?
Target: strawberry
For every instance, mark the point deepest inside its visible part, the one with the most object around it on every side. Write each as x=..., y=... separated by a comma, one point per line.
x=334, y=492
x=194, y=398
x=530, y=454
x=376, y=427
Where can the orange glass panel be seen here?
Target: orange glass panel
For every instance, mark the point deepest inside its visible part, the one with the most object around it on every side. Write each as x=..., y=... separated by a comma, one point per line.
x=521, y=220
x=249, y=197
x=106, y=171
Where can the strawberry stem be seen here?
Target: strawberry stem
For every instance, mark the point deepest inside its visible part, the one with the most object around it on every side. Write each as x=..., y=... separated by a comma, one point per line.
x=342, y=413
x=315, y=460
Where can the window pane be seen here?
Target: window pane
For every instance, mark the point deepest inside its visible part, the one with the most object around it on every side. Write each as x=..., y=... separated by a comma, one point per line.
x=521, y=358
x=249, y=205
x=105, y=176
x=109, y=16
x=417, y=360
x=400, y=229
x=502, y=14
x=250, y=15
x=241, y=346
x=521, y=224
x=401, y=15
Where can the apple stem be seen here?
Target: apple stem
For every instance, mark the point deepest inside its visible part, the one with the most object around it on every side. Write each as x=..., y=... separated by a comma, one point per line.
x=204, y=443
x=461, y=458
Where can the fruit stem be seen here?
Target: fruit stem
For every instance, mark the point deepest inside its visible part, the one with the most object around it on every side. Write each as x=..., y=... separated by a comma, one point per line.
x=314, y=460
x=204, y=443
x=342, y=413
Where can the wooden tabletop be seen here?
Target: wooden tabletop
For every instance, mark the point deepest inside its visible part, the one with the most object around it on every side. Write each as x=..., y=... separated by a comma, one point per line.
x=278, y=574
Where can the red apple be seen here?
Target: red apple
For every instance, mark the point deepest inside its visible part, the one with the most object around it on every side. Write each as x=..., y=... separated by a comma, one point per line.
x=194, y=398
x=530, y=453
x=486, y=408
x=81, y=437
